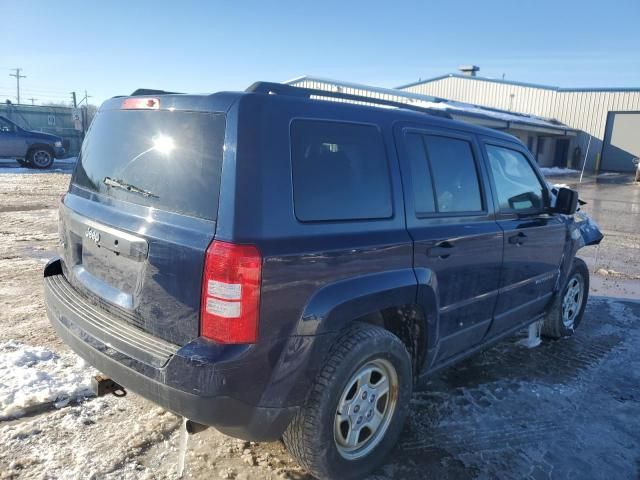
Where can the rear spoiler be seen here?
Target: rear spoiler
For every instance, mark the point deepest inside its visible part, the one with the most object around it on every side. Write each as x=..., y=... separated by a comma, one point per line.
x=150, y=91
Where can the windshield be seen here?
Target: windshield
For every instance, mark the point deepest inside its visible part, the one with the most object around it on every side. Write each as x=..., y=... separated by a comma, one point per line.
x=162, y=159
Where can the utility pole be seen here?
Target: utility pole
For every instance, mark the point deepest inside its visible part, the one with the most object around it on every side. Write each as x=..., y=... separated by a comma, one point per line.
x=33, y=100
x=73, y=97
x=18, y=77
x=85, y=99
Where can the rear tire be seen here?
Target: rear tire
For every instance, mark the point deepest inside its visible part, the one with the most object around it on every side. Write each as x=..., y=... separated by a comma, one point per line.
x=357, y=406
x=568, y=307
x=41, y=158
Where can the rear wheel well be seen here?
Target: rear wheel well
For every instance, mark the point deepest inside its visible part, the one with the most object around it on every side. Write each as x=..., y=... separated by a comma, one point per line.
x=408, y=323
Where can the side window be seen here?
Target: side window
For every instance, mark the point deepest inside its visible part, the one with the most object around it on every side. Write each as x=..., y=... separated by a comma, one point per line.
x=340, y=171
x=455, y=177
x=517, y=185
x=420, y=174
x=6, y=126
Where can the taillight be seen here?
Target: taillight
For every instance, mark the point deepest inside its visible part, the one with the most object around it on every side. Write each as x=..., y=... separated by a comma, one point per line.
x=231, y=293
x=135, y=103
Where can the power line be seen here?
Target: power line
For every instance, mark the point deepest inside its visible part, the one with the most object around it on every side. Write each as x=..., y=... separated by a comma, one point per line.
x=18, y=77
x=33, y=100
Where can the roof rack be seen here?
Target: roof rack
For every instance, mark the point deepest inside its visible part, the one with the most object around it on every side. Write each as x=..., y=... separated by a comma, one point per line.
x=272, y=88
x=151, y=91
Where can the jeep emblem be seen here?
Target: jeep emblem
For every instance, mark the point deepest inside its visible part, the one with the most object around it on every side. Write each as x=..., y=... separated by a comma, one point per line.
x=92, y=234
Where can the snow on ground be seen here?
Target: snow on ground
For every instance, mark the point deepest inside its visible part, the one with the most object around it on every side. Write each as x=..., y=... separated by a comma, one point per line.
x=95, y=439
x=556, y=171
x=61, y=165
x=35, y=377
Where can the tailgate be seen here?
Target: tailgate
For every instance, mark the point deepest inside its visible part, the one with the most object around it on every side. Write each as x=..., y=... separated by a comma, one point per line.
x=140, y=214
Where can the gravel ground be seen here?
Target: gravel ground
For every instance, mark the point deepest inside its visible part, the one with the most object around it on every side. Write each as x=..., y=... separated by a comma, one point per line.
x=567, y=409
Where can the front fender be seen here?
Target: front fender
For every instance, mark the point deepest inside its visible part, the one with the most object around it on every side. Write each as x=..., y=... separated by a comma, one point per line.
x=332, y=307
x=582, y=231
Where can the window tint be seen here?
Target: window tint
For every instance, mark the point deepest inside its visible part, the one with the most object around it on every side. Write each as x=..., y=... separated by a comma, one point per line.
x=517, y=185
x=455, y=177
x=420, y=174
x=157, y=158
x=340, y=171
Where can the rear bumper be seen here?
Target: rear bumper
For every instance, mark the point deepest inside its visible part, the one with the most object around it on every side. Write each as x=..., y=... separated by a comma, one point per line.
x=187, y=382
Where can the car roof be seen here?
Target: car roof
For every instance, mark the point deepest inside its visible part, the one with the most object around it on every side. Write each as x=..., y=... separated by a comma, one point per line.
x=224, y=101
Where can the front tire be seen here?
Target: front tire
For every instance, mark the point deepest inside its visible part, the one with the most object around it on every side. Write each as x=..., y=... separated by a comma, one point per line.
x=567, y=309
x=41, y=158
x=356, y=409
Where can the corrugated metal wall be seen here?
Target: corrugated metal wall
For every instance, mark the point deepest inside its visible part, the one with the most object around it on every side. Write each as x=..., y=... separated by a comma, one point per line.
x=318, y=85
x=584, y=110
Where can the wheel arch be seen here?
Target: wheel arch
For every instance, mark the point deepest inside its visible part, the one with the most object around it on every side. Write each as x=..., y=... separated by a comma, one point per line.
x=396, y=300
x=36, y=146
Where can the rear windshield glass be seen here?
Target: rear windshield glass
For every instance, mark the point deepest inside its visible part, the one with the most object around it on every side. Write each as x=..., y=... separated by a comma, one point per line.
x=161, y=159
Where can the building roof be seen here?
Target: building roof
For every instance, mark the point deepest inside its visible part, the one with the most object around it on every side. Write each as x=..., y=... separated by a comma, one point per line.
x=520, y=84
x=490, y=117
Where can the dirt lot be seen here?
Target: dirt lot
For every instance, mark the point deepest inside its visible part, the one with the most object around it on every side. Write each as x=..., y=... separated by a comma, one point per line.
x=567, y=409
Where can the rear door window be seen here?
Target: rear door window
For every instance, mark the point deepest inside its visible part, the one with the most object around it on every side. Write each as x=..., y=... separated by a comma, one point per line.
x=455, y=176
x=340, y=171
x=444, y=175
x=162, y=159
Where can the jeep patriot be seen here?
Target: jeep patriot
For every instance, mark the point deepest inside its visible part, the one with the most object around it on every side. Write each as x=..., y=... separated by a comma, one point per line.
x=278, y=264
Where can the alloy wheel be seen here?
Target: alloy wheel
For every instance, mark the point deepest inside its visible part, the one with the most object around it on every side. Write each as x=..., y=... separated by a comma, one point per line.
x=365, y=409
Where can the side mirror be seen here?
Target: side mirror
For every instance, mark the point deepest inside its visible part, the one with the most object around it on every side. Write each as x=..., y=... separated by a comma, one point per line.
x=566, y=201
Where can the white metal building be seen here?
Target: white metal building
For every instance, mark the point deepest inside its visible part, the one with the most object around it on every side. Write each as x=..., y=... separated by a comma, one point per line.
x=561, y=127
x=610, y=117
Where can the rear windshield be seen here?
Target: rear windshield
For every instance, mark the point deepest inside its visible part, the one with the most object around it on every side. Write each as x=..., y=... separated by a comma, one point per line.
x=161, y=159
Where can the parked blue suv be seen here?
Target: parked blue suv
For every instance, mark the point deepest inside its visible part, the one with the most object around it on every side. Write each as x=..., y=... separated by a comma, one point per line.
x=29, y=148
x=280, y=265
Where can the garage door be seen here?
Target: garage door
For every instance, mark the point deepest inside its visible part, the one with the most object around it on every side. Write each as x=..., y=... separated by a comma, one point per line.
x=621, y=142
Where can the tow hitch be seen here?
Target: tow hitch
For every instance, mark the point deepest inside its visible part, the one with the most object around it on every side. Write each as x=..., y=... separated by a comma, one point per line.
x=103, y=385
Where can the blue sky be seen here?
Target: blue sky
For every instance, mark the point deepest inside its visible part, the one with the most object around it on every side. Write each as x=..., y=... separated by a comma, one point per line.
x=113, y=47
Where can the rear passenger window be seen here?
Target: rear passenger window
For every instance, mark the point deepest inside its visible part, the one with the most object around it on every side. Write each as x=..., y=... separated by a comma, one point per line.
x=444, y=175
x=340, y=171
x=454, y=173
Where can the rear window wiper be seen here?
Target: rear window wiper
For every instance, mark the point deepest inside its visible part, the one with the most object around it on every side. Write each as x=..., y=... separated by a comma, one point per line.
x=128, y=187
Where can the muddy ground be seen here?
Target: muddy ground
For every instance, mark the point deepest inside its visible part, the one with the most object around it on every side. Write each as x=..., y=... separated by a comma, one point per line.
x=568, y=409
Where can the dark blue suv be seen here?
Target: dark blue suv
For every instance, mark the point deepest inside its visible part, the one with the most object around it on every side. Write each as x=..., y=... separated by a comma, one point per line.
x=277, y=264
x=30, y=148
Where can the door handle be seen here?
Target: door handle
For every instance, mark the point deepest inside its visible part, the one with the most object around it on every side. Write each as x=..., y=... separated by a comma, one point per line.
x=518, y=239
x=441, y=250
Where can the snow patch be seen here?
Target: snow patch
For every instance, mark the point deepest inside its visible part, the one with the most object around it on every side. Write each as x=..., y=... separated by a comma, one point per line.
x=61, y=165
x=35, y=376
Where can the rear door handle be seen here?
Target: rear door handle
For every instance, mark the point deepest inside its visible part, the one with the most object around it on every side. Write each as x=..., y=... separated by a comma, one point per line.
x=441, y=250
x=518, y=239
